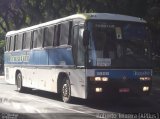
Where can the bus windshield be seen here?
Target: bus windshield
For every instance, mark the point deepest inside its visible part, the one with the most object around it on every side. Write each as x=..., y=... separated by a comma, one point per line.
x=117, y=44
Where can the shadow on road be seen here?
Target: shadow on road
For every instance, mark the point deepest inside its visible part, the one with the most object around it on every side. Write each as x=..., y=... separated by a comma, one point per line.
x=125, y=105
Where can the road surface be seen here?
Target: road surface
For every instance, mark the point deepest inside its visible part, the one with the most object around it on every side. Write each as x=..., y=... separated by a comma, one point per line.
x=37, y=104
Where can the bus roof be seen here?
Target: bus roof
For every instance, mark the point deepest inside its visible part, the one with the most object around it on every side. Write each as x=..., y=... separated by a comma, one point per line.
x=109, y=16
x=85, y=16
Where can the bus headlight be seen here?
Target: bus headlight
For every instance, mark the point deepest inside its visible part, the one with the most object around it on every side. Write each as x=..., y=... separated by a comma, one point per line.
x=101, y=78
x=145, y=88
x=97, y=78
x=98, y=90
x=104, y=78
x=145, y=78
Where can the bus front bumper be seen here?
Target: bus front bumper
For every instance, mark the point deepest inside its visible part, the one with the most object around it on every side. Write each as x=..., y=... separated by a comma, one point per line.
x=115, y=87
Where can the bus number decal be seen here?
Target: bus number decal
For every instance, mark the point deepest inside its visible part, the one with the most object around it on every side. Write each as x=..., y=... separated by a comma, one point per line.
x=101, y=73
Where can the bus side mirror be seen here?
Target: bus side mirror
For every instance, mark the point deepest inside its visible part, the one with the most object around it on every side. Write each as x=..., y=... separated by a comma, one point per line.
x=86, y=35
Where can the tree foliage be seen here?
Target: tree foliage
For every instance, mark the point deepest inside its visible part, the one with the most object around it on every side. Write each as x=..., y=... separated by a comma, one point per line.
x=15, y=14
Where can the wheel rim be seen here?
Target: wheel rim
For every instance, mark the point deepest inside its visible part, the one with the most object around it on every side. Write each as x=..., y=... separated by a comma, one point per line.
x=65, y=91
x=19, y=83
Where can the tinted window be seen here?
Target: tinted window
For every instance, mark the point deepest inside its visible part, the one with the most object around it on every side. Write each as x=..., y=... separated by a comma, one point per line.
x=57, y=35
x=7, y=43
x=81, y=49
x=48, y=36
x=26, y=40
x=38, y=38
x=70, y=32
x=74, y=42
x=64, y=33
x=12, y=43
x=18, y=41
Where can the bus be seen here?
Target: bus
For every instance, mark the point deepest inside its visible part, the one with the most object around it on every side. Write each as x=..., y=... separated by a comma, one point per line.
x=88, y=56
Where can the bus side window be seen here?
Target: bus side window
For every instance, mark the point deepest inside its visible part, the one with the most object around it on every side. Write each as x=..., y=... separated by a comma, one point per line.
x=12, y=44
x=48, y=36
x=37, y=38
x=27, y=40
x=74, y=42
x=70, y=32
x=77, y=45
x=45, y=39
x=64, y=33
x=7, y=43
x=40, y=38
x=23, y=40
x=18, y=42
x=81, y=49
x=57, y=35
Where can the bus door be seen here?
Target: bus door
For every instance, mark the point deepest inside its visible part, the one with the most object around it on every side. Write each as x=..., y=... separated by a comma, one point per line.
x=79, y=59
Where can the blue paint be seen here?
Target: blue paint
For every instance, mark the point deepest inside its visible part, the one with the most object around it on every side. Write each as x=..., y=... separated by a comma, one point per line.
x=60, y=55
x=54, y=56
x=39, y=57
x=120, y=73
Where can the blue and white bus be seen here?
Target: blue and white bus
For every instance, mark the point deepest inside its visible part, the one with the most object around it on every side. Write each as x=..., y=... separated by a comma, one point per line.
x=84, y=55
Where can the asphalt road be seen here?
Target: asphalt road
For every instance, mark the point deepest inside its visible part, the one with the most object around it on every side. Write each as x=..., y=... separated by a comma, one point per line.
x=44, y=105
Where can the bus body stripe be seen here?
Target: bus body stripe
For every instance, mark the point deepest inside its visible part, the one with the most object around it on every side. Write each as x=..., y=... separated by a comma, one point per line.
x=55, y=56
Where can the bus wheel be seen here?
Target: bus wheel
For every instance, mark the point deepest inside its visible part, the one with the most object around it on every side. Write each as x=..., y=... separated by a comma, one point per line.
x=19, y=82
x=66, y=91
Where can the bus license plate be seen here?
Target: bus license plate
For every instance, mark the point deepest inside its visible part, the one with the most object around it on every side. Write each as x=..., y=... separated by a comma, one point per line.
x=124, y=90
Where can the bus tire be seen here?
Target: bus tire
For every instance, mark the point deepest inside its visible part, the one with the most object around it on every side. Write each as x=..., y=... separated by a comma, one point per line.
x=66, y=91
x=19, y=82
